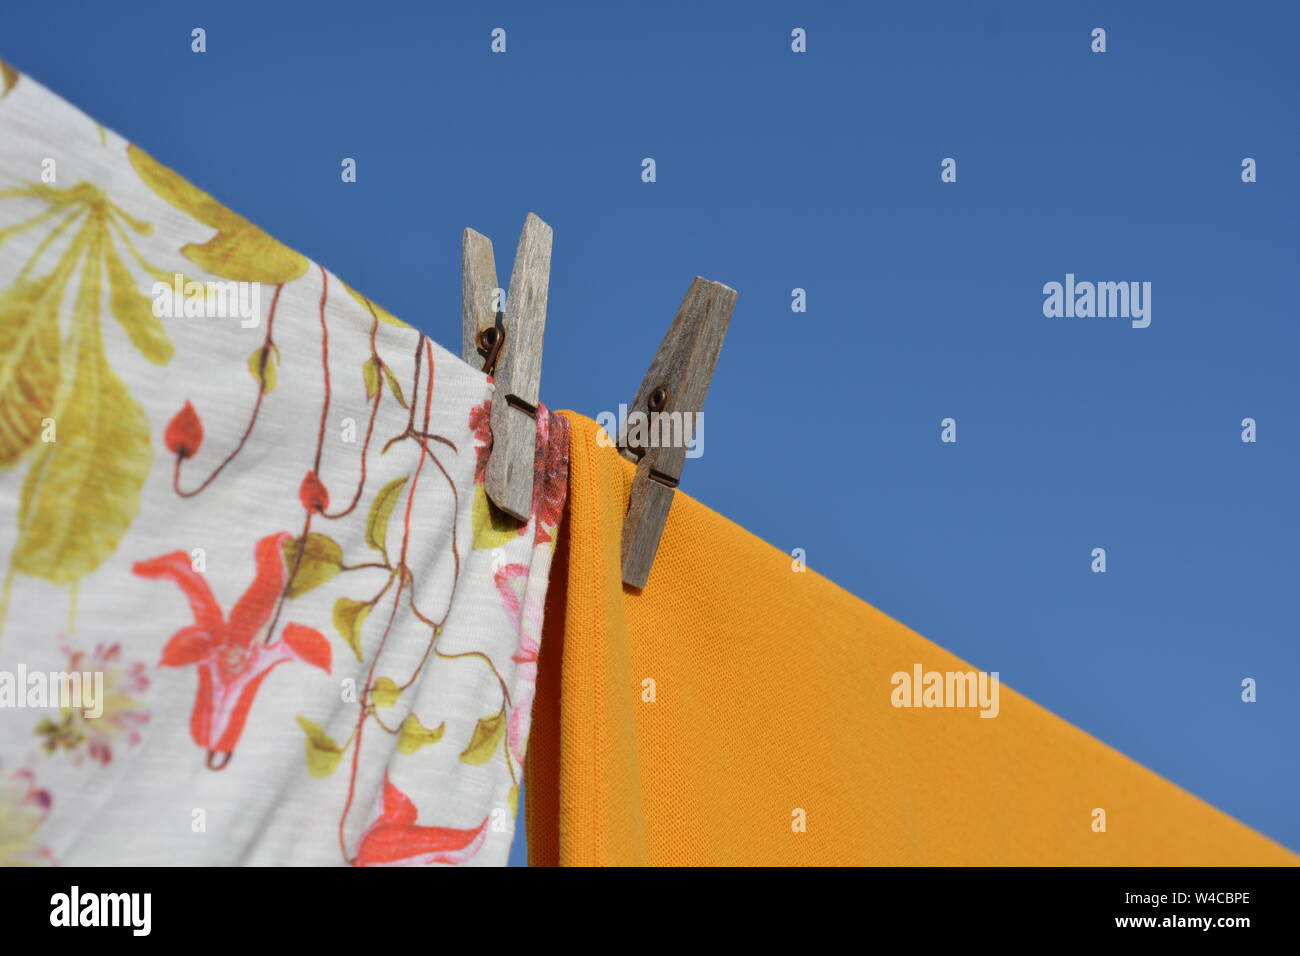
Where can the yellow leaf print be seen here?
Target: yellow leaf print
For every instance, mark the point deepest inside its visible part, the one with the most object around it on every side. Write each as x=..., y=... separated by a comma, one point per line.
x=413, y=735
x=487, y=737
x=323, y=753
x=29, y=363
x=8, y=77
x=134, y=310
x=83, y=489
x=381, y=509
x=385, y=692
x=349, y=616
x=98, y=221
x=29, y=324
x=492, y=528
x=239, y=250
x=262, y=365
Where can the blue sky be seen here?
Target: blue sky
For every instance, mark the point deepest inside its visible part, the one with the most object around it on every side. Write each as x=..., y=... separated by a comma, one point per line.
x=820, y=171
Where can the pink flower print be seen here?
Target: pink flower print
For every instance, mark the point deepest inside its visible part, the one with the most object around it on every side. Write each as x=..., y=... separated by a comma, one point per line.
x=121, y=713
x=23, y=809
x=525, y=613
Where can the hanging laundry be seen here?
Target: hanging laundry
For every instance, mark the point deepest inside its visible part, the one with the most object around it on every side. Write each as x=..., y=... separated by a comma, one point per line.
x=739, y=711
x=257, y=607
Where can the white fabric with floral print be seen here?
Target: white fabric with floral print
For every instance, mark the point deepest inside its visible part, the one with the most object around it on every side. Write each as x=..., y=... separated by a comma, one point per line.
x=247, y=503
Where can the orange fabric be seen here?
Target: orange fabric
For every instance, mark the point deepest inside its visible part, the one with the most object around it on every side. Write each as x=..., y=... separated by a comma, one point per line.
x=773, y=695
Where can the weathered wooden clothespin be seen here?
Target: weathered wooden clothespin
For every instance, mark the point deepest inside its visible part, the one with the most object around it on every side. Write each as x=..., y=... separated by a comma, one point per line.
x=504, y=338
x=669, y=402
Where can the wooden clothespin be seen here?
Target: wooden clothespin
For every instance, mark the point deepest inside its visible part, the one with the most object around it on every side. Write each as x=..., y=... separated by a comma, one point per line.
x=674, y=386
x=505, y=340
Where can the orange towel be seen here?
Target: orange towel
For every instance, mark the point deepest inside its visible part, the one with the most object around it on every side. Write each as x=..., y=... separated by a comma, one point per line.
x=737, y=712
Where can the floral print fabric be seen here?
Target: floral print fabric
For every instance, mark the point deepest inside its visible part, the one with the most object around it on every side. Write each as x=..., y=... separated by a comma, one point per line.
x=255, y=525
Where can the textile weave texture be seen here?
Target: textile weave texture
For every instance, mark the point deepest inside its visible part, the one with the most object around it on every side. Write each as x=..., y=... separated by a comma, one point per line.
x=737, y=711
x=252, y=500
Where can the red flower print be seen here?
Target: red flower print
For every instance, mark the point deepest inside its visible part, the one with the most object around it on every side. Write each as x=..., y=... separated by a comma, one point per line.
x=312, y=493
x=184, y=433
x=231, y=656
x=480, y=420
x=395, y=840
x=550, y=464
x=550, y=472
